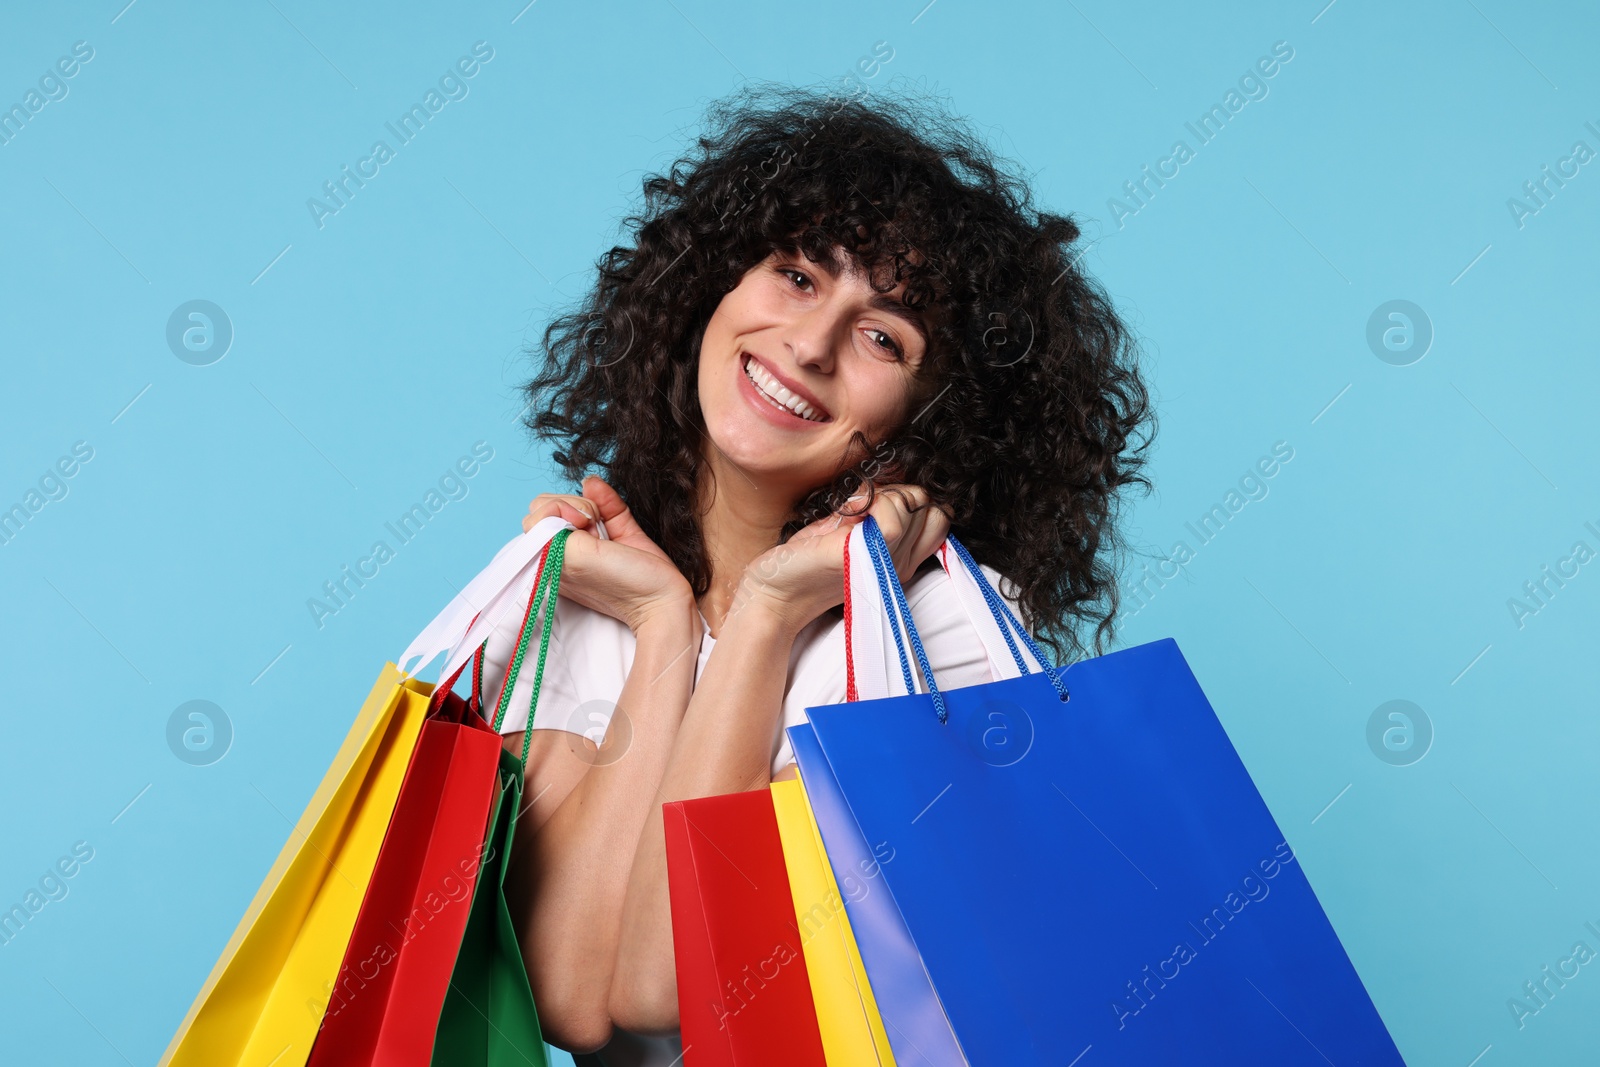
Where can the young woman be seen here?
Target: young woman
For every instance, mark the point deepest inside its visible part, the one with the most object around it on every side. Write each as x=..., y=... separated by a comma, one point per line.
x=836, y=308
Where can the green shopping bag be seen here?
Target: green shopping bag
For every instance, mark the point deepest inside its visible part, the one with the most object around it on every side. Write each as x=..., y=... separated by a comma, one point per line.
x=489, y=1017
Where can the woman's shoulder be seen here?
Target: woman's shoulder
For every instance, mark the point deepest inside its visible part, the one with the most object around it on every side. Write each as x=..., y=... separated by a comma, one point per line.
x=577, y=630
x=588, y=658
x=948, y=633
x=933, y=589
x=931, y=595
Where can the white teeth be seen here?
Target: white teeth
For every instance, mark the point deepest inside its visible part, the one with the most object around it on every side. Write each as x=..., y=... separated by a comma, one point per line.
x=773, y=390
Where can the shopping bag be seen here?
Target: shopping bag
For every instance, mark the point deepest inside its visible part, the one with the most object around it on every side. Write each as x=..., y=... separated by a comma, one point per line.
x=847, y=1013
x=913, y=1019
x=744, y=998
x=392, y=984
x=396, y=969
x=266, y=994
x=262, y=999
x=489, y=1016
x=1104, y=875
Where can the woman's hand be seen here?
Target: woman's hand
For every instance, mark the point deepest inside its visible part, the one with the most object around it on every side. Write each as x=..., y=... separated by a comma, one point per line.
x=803, y=577
x=627, y=577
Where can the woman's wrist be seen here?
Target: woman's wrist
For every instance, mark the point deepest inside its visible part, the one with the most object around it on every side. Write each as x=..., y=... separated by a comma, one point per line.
x=666, y=616
x=771, y=608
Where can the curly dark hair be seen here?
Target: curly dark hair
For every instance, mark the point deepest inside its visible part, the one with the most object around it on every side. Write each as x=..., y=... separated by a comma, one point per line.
x=1029, y=410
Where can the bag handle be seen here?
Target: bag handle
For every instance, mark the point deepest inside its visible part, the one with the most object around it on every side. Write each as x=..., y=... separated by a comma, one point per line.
x=504, y=591
x=541, y=612
x=868, y=649
x=969, y=579
x=874, y=635
x=450, y=628
x=863, y=630
x=893, y=596
x=474, y=704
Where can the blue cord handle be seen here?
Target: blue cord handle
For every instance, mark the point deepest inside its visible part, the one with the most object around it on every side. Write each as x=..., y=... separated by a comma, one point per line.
x=889, y=583
x=997, y=608
x=1006, y=618
x=894, y=599
x=890, y=603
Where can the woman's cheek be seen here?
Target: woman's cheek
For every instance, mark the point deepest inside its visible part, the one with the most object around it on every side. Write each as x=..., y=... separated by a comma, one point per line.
x=886, y=403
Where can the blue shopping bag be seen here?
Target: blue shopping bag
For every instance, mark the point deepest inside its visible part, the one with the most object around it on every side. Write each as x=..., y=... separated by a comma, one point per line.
x=1083, y=863
x=919, y=1031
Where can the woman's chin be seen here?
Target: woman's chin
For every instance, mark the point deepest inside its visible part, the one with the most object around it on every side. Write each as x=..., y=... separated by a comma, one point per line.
x=761, y=455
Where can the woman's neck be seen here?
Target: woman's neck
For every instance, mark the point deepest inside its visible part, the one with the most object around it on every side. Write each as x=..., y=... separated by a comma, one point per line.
x=739, y=520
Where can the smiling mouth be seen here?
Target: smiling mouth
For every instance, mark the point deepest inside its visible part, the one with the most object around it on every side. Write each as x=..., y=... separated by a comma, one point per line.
x=774, y=393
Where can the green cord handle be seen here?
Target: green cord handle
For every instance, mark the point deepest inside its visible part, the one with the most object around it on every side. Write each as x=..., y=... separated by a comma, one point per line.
x=543, y=603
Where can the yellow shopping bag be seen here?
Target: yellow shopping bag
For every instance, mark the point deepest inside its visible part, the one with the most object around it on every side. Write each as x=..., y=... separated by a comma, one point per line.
x=264, y=999
x=847, y=1013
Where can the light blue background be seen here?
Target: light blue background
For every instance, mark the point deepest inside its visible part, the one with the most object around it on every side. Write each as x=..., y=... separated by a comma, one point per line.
x=379, y=348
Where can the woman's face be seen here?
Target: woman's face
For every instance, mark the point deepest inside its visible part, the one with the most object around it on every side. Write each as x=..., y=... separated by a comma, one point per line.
x=795, y=360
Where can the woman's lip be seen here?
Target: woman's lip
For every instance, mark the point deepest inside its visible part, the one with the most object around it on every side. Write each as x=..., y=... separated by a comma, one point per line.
x=793, y=386
x=774, y=414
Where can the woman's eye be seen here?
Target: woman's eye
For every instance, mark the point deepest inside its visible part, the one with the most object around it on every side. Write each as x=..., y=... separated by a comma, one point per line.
x=882, y=338
x=888, y=343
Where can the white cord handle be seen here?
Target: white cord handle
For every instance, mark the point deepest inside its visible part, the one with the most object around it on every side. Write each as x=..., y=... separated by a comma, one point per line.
x=501, y=586
x=874, y=658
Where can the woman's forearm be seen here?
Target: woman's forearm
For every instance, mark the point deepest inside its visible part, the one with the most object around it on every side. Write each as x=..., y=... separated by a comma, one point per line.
x=571, y=873
x=723, y=745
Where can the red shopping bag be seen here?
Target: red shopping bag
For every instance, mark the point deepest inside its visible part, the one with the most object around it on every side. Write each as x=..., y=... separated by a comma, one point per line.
x=385, y=1006
x=744, y=997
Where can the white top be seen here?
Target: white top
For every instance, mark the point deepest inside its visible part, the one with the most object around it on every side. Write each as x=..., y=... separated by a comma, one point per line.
x=591, y=653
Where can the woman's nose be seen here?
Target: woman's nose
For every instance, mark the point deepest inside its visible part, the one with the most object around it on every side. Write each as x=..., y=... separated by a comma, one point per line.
x=812, y=337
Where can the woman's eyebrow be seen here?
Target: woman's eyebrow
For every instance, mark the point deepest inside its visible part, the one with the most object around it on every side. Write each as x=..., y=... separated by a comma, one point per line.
x=912, y=317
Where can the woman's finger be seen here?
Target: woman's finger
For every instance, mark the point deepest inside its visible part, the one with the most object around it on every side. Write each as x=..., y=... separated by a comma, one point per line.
x=574, y=509
x=616, y=518
x=912, y=497
x=906, y=500
x=541, y=503
x=610, y=507
x=892, y=507
x=909, y=547
x=576, y=503
x=934, y=530
x=546, y=511
x=911, y=526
